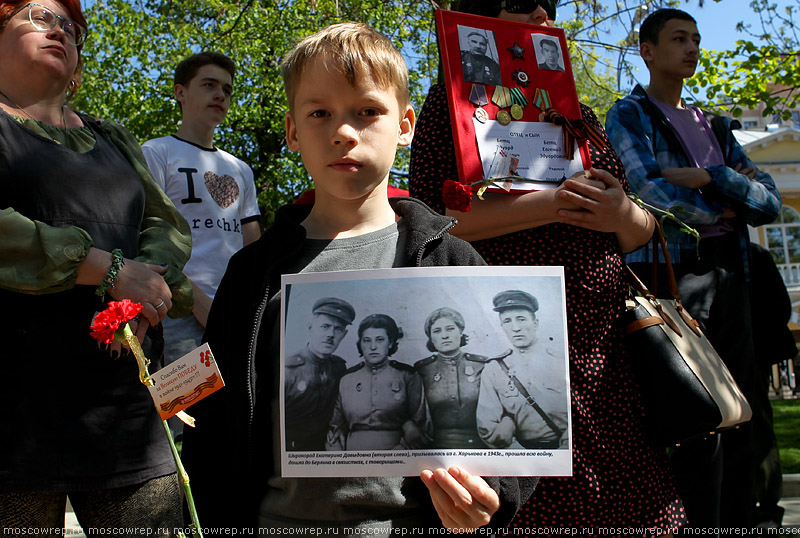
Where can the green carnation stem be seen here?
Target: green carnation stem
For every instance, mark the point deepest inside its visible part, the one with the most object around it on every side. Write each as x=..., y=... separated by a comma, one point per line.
x=184, y=476
x=129, y=339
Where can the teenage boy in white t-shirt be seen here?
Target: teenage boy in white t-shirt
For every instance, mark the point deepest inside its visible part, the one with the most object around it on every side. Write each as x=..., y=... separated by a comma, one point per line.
x=212, y=189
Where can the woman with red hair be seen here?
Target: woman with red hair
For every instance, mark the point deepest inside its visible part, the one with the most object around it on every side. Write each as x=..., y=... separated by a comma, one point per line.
x=81, y=222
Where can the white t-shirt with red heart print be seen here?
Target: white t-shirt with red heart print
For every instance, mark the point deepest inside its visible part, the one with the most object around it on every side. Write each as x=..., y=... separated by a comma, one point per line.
x=215, y=193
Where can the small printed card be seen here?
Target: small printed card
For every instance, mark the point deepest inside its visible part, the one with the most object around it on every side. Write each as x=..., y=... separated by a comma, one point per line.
x=529, y=149
x=185, y=382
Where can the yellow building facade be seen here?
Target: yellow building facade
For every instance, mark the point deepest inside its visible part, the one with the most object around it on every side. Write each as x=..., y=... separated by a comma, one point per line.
x=777, y=152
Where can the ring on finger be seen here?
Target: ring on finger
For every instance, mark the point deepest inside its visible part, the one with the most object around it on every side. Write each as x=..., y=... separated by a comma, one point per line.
x=159, y=305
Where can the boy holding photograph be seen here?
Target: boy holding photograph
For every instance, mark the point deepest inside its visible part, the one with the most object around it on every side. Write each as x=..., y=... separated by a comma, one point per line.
x=347, y=88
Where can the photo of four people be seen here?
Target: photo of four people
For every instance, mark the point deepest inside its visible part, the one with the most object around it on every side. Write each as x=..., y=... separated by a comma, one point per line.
x=373, y=398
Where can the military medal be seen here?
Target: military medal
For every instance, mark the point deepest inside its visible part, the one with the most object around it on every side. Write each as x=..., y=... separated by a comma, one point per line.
x=503, y=117
x=501, y=97
x=516, y=52
x=437, y=376
x=358, y=387
x=302, y=386
x=471, y=378
x=521, y=78
x=469, y=370
x=477, y=95
x=516, y=111
x=518, y=98
x=542, y=99
x=481, y=115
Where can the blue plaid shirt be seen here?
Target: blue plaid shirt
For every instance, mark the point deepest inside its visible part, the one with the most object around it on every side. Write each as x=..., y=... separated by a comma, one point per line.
x=646, y=143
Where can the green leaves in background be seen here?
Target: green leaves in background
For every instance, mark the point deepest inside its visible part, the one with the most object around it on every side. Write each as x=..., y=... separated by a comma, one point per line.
x=751, y=74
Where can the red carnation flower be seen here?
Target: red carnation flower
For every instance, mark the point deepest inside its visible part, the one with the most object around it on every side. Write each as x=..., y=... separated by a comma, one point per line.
x=108, y=322
x=456, y=196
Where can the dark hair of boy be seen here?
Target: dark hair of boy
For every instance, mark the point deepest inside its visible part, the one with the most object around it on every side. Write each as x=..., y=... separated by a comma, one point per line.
x=549, y=43
x=655, y=22
x=187, y=69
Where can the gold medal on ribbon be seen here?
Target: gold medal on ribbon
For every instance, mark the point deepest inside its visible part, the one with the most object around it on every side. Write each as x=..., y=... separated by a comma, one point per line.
x=502, y=97
x=541, y=99
x=517, y=97
x=503, y=117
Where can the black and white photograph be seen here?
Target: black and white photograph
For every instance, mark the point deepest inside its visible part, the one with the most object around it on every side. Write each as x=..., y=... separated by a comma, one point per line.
x=479, y=58
x=548, y=52
x=387, y=373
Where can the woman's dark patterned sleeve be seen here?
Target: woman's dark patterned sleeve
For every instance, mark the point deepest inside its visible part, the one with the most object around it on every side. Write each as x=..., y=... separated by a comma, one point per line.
x=604, y=159
x=433, y=155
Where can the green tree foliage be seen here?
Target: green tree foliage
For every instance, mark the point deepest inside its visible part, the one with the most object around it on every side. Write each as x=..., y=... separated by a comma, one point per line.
x=597, y=58
x=134, y=46
x=753, y=73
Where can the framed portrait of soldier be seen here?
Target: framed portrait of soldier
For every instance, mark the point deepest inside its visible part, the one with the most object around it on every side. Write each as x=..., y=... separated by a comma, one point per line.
x=390, y=372
x=548, y=53
x=509, y=89
x=479, y=58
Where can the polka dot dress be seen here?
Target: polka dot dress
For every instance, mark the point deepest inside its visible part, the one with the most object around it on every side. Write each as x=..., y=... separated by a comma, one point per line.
x=619, y=478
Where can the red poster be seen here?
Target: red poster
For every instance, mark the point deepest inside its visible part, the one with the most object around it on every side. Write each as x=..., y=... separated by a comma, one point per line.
x=500, y=77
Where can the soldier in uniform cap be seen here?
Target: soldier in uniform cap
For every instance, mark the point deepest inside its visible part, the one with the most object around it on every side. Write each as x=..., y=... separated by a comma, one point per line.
x=476, y=65
x=514, y=384
x=381, y=403
x=312, y=376
x=452, y=379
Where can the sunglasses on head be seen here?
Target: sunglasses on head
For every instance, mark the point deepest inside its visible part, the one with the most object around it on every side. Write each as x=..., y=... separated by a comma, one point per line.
x=529, y=6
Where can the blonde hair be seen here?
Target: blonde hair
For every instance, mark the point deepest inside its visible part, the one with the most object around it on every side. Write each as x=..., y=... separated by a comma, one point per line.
x=352, y=49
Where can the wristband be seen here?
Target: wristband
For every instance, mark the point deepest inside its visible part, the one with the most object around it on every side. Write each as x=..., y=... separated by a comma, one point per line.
x=111, y=278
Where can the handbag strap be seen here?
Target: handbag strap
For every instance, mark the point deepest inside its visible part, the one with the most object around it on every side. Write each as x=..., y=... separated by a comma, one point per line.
x=660, y=241
x=527, y=395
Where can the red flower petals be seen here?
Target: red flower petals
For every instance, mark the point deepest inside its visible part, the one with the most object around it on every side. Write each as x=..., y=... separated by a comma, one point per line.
x=107, y=322
x=456, y=196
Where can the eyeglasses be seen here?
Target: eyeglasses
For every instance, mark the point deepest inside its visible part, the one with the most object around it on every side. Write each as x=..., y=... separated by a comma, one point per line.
x=45, y=20
x=529, y=6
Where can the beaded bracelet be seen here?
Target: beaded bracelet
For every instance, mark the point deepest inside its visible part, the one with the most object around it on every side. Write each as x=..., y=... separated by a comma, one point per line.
x=111, y=278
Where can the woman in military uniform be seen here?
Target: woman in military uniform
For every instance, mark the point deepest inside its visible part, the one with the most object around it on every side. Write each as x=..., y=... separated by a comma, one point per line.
x=381, y=403
x=452, y=381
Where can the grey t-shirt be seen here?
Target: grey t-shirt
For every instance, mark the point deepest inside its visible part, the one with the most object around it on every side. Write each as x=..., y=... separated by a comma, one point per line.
x=356, y=503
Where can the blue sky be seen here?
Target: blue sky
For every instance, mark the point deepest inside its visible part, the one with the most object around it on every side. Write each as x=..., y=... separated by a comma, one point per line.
x=717, y=24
